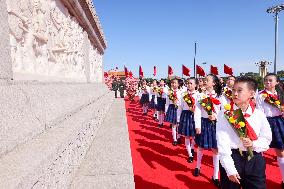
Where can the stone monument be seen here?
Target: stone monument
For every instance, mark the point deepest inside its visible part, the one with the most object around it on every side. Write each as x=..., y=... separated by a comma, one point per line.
x=53, y=99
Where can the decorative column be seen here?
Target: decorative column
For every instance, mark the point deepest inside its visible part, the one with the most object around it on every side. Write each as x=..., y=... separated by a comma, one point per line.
x=5, y=49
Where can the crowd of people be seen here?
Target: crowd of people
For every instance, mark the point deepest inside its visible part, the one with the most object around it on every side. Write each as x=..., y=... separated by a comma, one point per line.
x=234, y=120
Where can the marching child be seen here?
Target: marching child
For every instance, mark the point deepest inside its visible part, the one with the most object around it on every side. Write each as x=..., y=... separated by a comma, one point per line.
x=243, y=133
x=172, y=103
x=205, y=136
x=270, y=101
x=153, y=102
x=144, y=96
x=227, y=96
x=188, y=114
x=161, y=102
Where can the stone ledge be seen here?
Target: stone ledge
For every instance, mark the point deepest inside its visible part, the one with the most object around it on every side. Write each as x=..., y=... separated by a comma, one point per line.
x=49, y=160
x=31, y=108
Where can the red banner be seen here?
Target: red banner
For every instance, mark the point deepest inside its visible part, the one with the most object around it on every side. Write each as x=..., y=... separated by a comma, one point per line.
x=155, y=71
x=228, y=70
x=170, y=71
x=214, y=70
x=185, y=71
x=200, y=71
x=141, y=74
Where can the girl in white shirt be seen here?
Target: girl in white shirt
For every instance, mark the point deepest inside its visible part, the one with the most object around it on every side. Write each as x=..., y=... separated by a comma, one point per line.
x=205, y=136
x=172, y=103
x=144, y=96
x=161, y=95
x=274, y=115
x=188, y=114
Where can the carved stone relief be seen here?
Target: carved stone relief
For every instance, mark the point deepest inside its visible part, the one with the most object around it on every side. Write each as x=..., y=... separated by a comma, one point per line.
x=46, y=40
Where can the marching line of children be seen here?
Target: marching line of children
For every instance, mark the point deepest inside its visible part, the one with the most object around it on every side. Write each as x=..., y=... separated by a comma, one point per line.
x=186, y=110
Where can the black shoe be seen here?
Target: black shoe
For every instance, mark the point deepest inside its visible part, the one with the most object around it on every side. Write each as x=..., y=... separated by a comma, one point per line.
x=282, y=185
x=192, y=152
x=216, y=182
x=171, y=125
x=196, y=172
x=144, y=113
x=160, y=125
x=179, y=140
x=190, y=160
x=175, y=143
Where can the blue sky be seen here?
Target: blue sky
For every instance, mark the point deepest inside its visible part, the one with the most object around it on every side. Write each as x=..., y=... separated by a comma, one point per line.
x=162, y=32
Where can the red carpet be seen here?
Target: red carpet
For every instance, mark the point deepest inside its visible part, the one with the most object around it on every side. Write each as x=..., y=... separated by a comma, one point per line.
x=160, y=165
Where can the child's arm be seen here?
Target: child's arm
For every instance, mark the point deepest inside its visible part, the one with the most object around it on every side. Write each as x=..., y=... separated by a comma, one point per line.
x=167, y=103
x=265, y=135
x=224, y=132
x=197, y=113
x=180, y=108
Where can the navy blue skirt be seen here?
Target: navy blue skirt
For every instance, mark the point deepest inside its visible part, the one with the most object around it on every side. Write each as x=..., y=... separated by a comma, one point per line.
x=161, y=102
x=144, y=99
x=152, y=103
x=207, y=138
x=171, y=115
x=186, y=124
x=277, y=129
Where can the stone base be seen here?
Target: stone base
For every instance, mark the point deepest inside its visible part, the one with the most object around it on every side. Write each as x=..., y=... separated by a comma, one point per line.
x=46, y=129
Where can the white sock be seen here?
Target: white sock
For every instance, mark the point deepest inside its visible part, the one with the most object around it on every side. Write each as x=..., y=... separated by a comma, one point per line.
x=178, y=135
x=188, y=148
x=216, y=165
x=174, y=132
x=192, y=144
x=199, y=158
x=281, y=166
x=159, y=118
x=162, y=117
x=144, y=109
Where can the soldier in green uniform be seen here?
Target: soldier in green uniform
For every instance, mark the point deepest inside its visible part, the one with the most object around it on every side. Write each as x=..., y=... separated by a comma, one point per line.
x=121, y=88
x=114, y=86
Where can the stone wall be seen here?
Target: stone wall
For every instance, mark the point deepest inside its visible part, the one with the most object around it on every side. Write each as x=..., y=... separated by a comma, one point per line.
x=46, y=130
x=47, y=42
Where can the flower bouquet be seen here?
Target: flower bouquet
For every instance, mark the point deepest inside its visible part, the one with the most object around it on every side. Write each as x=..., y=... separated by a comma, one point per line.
x=272, y=100
x=190, y=101
x=239, y=124
x=173, y=97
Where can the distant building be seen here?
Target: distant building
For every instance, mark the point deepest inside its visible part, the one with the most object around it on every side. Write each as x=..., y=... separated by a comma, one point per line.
x=119, y=74
x=250, y=74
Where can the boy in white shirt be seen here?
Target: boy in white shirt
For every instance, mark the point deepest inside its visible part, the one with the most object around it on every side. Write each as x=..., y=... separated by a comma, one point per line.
x=237, y=169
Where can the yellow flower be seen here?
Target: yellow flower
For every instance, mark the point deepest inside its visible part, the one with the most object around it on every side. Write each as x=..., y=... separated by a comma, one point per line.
x=203, y=104
x=232, y=120
x=242, y=124
x=186, y=99
x=208, y=108
x=227, y=107
x=264, y=95
x=277, y=102
x=204, y=96
x=225, y=89
x=189, y=101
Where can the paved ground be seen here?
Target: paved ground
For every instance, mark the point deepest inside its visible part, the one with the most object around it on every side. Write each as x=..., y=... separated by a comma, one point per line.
x=108, y=163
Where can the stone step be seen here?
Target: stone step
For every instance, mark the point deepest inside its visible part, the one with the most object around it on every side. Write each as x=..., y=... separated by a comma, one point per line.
x=50, y=159
x=108, y=163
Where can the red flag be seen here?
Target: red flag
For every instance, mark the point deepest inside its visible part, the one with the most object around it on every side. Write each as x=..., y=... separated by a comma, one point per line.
x=185, y=71
x=228, y=70
x=214, y=70
x=130, y=74
x=170, y=71
x=125, y=71
x=105, y=74
x=200, y=71
x=155, y=71
x=141, y=74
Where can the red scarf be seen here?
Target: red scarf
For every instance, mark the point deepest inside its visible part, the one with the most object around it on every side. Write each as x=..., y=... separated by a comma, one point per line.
x=214, y=101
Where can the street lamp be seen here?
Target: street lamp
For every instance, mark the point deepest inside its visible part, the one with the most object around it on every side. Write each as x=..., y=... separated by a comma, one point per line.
x=194, y=64
x=275, y=10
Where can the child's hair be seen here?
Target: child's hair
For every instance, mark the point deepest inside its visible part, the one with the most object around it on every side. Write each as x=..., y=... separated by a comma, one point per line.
x=251, y=83
x=232, y=76
x=278, y=87
x=218, y=86
x=194, y=79
x=174, y=79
